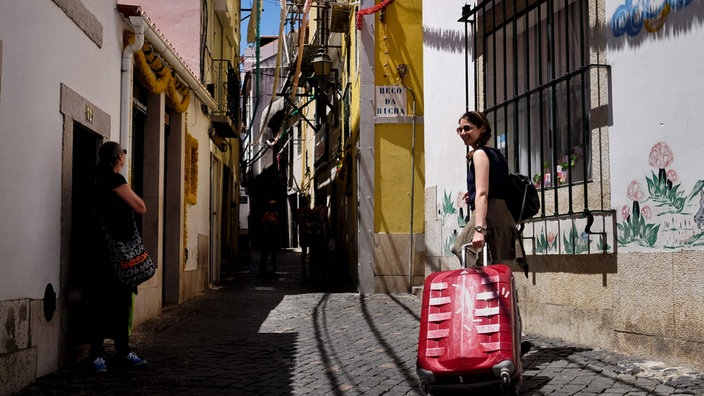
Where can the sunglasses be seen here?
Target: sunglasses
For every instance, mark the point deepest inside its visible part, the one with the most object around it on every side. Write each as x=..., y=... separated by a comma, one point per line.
x=465, y=128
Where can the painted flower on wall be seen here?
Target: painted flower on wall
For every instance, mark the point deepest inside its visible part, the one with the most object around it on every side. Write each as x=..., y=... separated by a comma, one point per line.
x=551, y=237
x=575, y=242
x=672, y=175
x=635, y=193
x=661, y=157
x=646, y=212
x=625, y=212
x=546, y=242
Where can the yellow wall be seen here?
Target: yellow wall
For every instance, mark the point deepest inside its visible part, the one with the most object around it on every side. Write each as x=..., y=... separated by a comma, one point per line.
x=399, y=40
x=393, y=178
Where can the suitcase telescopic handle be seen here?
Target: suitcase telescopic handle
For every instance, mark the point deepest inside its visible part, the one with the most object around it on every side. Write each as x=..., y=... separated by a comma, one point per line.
x=464, y=254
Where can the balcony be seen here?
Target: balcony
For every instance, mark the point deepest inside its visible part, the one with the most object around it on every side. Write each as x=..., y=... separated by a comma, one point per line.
x=225, y=89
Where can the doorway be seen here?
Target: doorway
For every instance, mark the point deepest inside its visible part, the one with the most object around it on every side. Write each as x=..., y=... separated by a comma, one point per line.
x=85, y=155
x=216, y=219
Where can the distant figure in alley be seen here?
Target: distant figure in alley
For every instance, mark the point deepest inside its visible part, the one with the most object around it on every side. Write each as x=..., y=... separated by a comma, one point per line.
x=268, y=238
x=313, y=235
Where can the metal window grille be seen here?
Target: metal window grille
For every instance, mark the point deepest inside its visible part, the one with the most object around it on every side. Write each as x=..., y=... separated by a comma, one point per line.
x=534, y=80
x=226, y=89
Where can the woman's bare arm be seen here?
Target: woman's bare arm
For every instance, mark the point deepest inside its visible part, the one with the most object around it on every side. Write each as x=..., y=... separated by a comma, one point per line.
x=133, y=200
x=481, y=199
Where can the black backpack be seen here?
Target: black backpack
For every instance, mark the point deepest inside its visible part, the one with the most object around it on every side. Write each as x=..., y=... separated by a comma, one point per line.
x=521, y=197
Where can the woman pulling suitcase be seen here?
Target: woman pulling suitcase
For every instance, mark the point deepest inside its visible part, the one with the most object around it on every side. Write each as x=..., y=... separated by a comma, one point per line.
x=470, y=328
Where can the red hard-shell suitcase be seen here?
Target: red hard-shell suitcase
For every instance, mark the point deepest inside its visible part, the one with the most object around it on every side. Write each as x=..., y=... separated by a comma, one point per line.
x=470, y=329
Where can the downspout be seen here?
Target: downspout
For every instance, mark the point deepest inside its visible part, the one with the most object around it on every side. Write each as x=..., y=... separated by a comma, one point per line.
x=413, y=191
x=402, y=70
x=139, y=26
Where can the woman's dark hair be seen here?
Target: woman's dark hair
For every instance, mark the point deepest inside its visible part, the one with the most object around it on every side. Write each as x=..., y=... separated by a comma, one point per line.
x=108, y=155
x=479, y=119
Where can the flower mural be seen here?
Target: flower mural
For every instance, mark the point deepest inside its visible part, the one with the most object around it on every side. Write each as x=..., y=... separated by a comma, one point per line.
x=451, y=213
x=666, y=220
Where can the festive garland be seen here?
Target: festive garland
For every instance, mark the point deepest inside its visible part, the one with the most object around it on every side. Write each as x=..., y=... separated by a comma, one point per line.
x=191, y=169
x=159, y=77
x=179, y=93
x=371, y=10
x=190, y=185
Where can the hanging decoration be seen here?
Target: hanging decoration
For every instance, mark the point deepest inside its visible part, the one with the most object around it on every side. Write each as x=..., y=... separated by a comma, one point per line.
x=301, y=39
x=254, y=22
x=179, y=93
x=190, y=185
x=371, y=10
x=191, y=169
x=274, y=88
x=159, y=77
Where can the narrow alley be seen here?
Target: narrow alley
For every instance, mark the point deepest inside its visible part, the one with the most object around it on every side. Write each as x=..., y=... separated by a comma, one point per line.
x=280, y=336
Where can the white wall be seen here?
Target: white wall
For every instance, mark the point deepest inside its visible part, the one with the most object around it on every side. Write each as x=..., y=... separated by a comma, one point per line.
x=444, y=90
x=198, y=215
x=658, y=91
x=443, y=56
x=42, y=48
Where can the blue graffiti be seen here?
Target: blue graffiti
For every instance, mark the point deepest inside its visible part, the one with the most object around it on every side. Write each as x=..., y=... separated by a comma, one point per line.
x=629, y=17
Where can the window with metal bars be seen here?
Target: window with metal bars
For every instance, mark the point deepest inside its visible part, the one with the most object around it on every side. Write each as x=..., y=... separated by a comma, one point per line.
x=533, y=79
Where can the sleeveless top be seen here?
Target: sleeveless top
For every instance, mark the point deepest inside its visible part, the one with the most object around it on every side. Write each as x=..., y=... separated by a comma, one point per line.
x=498, y=174
x=116, y=214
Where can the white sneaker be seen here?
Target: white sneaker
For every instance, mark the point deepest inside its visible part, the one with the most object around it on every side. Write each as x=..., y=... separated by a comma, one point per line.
x=99, y=365
x=134, y=360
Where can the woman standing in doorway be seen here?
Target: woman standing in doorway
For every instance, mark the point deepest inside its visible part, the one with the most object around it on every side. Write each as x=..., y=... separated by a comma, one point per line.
x=110, y=301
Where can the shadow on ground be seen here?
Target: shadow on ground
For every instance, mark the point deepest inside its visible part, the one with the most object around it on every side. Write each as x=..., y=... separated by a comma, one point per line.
x=211, y=344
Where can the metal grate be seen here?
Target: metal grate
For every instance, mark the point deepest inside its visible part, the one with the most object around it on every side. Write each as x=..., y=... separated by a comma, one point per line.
x=226, y=90
x=534, y=80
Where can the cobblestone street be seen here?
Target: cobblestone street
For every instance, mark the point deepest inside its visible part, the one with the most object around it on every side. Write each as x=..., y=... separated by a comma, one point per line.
x=282, y=336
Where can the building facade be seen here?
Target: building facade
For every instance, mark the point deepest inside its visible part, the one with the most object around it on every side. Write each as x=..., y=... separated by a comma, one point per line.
x=614, y=252
x=389, y=152
x=113, y=76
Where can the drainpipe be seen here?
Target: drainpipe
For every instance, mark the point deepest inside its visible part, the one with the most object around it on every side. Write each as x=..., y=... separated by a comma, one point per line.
x=139, y=26
x=402, y=70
